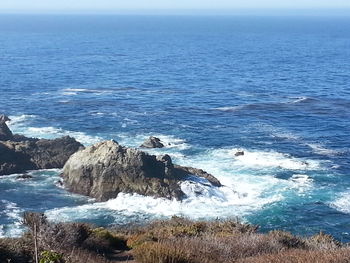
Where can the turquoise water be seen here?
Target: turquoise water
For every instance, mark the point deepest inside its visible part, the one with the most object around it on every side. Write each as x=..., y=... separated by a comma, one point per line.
x=275, y=87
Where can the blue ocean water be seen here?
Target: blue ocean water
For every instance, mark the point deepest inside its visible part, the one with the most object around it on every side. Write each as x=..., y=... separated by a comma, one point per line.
x=276, y=87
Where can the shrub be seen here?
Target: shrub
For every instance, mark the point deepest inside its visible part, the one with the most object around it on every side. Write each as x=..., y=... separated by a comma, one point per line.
x=103, y=241
x=154, y=252
x=287, y=239
x=138, y=239
x=301, y=256
x=51, y=257
x=322, y=241
x=15, y=250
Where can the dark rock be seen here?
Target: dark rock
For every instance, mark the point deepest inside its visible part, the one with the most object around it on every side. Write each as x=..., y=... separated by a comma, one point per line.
x=239, y=153
x=5, y=133
x=152, y=142
x=106, y=169
x=24, y=177
x=181, y=171
x=59, y=183
x=30, y=154
x=4, y=118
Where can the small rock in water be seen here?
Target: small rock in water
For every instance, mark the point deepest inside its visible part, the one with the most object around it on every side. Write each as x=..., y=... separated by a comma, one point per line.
x=24, y=177
x=59, y=183
x=239, y=153
x=152, y=142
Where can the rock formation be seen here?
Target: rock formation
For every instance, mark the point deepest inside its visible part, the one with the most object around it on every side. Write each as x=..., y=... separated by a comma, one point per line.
x=152, y=142
x=5, y=133
x=106, y=169
x=19, y=153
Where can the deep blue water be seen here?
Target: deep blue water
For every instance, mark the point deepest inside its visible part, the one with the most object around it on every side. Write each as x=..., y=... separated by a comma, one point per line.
x=276, y=87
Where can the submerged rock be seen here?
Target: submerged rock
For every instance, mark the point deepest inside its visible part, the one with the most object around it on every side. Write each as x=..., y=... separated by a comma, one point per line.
x=19, y=153
x=24, y=177
x=106, y=169
x=152, y=142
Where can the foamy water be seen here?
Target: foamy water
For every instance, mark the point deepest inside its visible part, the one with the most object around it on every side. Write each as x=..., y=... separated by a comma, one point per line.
x=249, y=182
x=18, y=124
x=218, y=89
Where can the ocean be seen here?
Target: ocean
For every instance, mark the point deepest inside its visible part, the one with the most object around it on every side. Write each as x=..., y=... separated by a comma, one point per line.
x=276, y=87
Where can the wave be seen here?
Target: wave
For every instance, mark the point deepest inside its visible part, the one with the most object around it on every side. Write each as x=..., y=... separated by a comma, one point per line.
x=13, y=213
x=76, y=91
x=255, y=159
x=321, y=149
x=170, y=142
x=317, y=148
x=20, y=119
x=229, y=108
x=342, y=203
x=19, y=124
x=302, y=100
x=242, y=193
x=202, y=202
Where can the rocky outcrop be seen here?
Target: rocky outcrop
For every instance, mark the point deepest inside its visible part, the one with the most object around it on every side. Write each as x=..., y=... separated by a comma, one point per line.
x=181, y=171
x=106, y=169
x=19, y=153
x=5, y=133
x=152, y=142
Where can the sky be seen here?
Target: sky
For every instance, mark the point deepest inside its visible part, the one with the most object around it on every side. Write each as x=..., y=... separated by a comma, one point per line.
x=123, y=5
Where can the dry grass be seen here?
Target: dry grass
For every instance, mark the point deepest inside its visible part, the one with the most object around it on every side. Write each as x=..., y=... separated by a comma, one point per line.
x=181, y=240
x=303, y=256
x=178, y=240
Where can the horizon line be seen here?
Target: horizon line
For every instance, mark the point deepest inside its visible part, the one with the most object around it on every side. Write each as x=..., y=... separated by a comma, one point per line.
x=184, y=11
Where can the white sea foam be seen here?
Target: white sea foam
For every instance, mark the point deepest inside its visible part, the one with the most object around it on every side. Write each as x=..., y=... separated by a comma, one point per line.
x=317, y=148
x=320, y=149
x=169, y=141
x=13, y=212
x=229, y=108
x=245, y=189
x=20, y=119
x=301, y=179
x=69, y=93
x=2, y=231
x=299, y=99
x=342, y=202
x=201, y=202
x=286, y=135
x=19, y=124
x=241, y=194
x=76, y=91
x=265, y=159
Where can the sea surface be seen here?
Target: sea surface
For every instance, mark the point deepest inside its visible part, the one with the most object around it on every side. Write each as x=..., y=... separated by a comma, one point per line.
x=277, y=88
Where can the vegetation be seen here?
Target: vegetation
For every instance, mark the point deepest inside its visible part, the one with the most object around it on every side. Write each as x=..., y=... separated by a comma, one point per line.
x=178, y=240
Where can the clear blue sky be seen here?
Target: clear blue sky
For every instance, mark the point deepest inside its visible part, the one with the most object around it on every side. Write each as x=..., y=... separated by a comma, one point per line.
x=120, y=5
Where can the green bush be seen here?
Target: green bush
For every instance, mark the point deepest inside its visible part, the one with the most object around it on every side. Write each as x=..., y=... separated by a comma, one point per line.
x=51, y=257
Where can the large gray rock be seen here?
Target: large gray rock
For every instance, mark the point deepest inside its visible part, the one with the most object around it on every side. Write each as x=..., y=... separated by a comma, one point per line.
x=106, y=169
